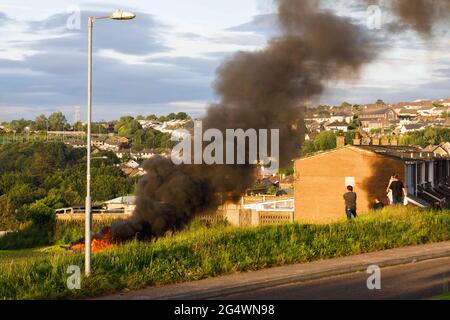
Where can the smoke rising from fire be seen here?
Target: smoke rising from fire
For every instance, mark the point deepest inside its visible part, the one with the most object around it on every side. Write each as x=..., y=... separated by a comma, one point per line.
x=263, y=89
x=418, y=15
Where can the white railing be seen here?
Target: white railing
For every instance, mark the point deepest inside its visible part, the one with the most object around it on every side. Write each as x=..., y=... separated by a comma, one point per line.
x=285, y=205
x=73, y=211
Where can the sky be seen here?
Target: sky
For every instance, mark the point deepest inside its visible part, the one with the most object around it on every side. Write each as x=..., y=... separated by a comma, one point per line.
x=165, y=60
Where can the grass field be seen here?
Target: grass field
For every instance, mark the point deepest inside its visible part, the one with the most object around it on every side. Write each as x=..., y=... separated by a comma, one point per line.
x=201, y=252
x=445, y=297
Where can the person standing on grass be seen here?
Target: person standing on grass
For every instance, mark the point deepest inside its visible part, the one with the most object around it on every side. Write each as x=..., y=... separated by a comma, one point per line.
x=350, y=198
x=398, y=190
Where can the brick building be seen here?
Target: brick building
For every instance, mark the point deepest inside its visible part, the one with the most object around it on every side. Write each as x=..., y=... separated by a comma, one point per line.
x=321, y=179
x=378, y=119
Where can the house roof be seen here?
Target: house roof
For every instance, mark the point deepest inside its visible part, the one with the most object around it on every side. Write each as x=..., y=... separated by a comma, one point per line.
x=371, y=112
x=433, y=148
x=410, y=153
x=415, y=126
x=122, y=200
x=338, y=124
x=342, y=114
x=403, y=153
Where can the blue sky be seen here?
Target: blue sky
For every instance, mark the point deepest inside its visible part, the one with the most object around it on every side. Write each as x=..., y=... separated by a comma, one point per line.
x=165, y=60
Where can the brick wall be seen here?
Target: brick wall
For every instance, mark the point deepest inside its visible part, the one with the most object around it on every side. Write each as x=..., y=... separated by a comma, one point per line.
x=320, y=182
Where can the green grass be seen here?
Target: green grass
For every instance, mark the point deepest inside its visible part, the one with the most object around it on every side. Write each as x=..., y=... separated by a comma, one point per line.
x=444, y=297
x=61, y=232
x=201, y=252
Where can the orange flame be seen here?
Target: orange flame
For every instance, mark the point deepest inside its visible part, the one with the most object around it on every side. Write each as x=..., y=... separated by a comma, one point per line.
x=97, y=245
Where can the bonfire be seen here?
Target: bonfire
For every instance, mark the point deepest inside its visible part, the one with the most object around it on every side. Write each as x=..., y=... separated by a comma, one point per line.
x=100, y=241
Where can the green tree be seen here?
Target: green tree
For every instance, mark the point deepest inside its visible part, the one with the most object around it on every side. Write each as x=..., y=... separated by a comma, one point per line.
x=57, y=121
x=181, y=116
x=151, y=117
x=79, y=127
x=323, y=141
x=41, y=122
x=19, y=125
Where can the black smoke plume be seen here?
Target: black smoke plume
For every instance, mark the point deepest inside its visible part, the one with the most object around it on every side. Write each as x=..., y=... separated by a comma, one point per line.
x=263, y=89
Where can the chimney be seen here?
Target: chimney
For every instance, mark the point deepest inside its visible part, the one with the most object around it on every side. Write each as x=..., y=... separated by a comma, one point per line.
x=366, y=141
x=340, y=142
x=357, y=140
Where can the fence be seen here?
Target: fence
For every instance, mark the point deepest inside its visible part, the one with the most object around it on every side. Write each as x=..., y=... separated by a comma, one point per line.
x=255, y=213
x=268, y=218
x=79, y=214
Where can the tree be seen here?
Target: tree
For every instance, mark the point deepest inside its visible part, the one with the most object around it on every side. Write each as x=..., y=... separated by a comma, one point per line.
x=171, y=116
x=79, y=127
x=41, y=122
x=323, y=141
x=380, y=102
x=151, y=117
x=19, y=125
x=181, y=116
x=40, y=214
x=129, y=128
x=57, y=121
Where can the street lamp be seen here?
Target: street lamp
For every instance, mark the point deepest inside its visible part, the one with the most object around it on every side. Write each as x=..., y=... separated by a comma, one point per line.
x=116, y=15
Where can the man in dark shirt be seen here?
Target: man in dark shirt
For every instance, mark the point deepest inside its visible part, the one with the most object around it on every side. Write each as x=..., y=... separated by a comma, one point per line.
x=350, y=203
x=398, y=190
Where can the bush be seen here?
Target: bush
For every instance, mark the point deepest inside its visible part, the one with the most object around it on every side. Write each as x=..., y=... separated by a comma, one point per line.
x=40, y=214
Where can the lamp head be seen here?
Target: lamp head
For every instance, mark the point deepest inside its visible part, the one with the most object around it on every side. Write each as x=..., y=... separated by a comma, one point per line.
x=122, y=15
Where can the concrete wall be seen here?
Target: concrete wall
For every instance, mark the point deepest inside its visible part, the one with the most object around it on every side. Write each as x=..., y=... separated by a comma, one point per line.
x=320, y=182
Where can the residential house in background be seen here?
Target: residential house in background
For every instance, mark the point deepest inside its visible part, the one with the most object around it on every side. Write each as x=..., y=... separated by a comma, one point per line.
x=341, y=117
x=122, y=204
x=378, y=118
x=407, y=116
x=337, y=126
x=77, y=144
x=142, y=154
x=98, y=142
x=111, y=145
x=405, y=128
x=440, y=150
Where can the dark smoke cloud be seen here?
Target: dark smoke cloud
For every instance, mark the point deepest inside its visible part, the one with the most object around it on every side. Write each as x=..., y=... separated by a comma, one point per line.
x=263, y=89
x=418, y=15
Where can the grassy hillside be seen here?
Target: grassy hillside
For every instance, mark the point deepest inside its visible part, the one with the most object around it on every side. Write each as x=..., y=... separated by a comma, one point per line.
x=201, y=252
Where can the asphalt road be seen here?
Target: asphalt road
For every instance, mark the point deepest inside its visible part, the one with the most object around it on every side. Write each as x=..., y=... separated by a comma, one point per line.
x=421, y=280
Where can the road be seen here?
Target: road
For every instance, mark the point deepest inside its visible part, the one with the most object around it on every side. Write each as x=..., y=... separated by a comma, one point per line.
x=421, y=280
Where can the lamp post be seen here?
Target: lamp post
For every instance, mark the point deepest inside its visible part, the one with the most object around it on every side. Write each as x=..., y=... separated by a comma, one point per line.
x=116, y=15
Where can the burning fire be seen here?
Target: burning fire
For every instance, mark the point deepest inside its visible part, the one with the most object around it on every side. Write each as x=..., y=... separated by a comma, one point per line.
x=100, y=242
